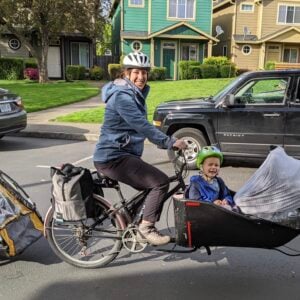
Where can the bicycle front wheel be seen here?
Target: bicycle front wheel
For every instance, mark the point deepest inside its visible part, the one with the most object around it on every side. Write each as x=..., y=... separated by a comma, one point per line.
x=81, y=245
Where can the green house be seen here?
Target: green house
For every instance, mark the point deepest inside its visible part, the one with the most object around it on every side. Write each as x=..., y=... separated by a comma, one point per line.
x=166, y=30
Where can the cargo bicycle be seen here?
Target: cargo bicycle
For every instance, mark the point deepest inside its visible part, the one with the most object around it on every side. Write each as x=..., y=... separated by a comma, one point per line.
x=95, y=242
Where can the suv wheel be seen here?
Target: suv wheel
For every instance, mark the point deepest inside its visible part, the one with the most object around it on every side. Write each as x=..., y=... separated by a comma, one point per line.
x=195, y=140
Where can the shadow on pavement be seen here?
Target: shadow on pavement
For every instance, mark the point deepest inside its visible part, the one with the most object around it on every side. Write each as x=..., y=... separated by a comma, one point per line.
x=10, y=143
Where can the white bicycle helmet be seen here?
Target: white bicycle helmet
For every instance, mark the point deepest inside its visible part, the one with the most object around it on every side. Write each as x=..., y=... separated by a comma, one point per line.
x=136, y=60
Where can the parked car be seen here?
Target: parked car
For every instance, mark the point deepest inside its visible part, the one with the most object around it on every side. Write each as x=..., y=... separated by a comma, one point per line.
x=256, y=110
x=13, y=117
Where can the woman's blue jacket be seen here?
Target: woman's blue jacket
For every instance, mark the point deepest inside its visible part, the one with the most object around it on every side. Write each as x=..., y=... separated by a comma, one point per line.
x=125, y=125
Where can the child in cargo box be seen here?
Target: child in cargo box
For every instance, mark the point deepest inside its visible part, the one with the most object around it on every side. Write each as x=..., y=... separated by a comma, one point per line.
x=207, y=186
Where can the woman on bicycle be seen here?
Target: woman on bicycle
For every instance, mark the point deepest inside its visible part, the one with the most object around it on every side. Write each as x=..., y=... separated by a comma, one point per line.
x=121, y=143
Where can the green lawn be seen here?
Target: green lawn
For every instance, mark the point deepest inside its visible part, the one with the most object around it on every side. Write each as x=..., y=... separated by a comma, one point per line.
x=42, y=96
x=161, y=91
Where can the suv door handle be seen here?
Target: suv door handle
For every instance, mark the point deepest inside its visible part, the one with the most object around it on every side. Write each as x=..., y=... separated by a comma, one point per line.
x=272, y=115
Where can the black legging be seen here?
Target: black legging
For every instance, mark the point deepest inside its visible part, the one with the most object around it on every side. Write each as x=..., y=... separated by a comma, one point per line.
x=140, y=175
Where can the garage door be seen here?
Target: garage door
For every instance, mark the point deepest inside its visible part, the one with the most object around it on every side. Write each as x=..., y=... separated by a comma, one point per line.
x=54, y=63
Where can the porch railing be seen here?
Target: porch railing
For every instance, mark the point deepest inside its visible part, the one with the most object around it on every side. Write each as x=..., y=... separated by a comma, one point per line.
x=283, y=66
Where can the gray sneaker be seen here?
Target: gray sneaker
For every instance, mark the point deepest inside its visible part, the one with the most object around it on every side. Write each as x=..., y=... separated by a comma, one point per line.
x=152, y=235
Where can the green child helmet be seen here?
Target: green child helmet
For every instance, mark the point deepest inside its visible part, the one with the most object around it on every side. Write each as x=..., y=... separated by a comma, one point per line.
x=208, y=151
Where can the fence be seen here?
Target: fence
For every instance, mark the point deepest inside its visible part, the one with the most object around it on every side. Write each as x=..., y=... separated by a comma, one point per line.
x=284, y=66
x=104, y=61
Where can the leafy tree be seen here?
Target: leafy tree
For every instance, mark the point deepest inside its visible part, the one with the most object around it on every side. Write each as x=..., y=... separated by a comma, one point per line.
x=105, y=42
x=34, y=22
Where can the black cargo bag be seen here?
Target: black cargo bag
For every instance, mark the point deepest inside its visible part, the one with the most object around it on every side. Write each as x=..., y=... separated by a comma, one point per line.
x=72, y=193
x=205, y=224
x=20, y=223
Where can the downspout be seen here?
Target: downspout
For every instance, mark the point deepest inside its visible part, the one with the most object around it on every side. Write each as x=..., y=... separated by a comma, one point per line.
x=233, y=44
x=122, y=26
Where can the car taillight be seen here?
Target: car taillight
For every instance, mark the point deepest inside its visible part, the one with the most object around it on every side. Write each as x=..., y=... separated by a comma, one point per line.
x=19, y=102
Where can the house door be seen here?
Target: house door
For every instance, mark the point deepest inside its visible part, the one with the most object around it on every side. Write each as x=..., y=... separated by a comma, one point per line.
x=168, y=58
x=54, y=62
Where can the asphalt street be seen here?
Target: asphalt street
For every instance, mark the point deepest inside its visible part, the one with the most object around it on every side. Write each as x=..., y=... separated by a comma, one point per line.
x=229, y=273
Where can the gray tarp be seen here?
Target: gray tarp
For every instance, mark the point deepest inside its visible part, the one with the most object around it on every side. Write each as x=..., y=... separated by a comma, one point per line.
x=273, y=191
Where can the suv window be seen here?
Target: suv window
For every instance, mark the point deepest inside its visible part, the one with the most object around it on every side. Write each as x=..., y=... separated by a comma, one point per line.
x=265, y=91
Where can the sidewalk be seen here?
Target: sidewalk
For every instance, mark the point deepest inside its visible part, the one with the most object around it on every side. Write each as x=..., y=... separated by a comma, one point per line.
x=39, y=124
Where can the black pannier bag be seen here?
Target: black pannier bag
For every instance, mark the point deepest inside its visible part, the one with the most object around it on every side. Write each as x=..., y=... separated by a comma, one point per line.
x=200, y=224
x=72, y=193
x=20, y=223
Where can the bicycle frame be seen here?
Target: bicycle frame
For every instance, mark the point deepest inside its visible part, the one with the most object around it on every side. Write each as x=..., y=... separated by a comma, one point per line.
x=125, y=206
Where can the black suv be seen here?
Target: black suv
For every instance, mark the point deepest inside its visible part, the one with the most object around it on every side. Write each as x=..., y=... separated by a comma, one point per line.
x=256, y=110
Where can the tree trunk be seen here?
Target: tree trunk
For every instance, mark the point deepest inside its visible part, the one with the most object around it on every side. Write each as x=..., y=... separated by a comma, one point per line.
x=43, y=60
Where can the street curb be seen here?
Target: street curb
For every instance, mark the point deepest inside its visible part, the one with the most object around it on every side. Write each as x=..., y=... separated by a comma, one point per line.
x=58, y=135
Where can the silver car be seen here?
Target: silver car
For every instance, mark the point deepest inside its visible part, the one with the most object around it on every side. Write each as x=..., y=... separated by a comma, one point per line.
x=13, y=117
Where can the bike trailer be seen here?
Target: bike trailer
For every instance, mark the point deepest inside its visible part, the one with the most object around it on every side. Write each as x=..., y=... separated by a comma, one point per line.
x=200, y=224
x=20, y=223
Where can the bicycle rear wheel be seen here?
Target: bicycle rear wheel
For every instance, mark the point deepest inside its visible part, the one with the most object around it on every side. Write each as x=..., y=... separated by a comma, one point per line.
x=79, y=245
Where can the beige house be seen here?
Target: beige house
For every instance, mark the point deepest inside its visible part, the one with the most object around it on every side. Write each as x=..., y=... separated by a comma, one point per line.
x=258, y=31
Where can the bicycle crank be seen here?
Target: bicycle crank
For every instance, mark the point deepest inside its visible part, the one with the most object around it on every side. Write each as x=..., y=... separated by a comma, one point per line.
x=132, y=242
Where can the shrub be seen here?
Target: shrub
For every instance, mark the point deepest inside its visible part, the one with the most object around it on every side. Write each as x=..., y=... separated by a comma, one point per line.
x=157, y=73
x=114, y=71
x=191, y=69
x=195, y=72
x=183, y=66
x=209, y=71
x=216, y=60
x=270, y=65
x=30, y=63
x=227, y=71
x=75, y=72
x=11, y=68
x=31, y=73
x=96, y=73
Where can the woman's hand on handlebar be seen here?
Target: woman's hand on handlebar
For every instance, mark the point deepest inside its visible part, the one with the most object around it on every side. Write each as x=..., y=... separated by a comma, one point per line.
x=180, y=144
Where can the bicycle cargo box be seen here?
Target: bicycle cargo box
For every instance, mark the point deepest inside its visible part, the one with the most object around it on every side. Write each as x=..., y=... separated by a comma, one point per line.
x=204, y=224
x=20, y=223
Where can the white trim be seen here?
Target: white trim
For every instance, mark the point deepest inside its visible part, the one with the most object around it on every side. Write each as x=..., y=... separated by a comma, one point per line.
x=136, y=5
x=250, y=49
x=181, y=19
x=18, y=42
x=190, y=44
x=169, y=47
x=247, y=11
x=290, y=48
x=294, y=4
x=139, y=42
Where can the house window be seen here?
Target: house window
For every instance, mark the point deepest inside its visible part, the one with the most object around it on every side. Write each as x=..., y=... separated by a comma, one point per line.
x=289, y=14
x=290, y=55
x=246, y=7
x=136, y=3
x=272, y=48
x=14, y=44
x=189, y=52
x=246, y=49
x=136, y=46
x=181, y=9
x=224, y=50
x=80, y=54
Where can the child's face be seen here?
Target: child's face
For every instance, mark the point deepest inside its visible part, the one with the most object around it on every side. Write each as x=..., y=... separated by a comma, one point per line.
x=211, y=167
